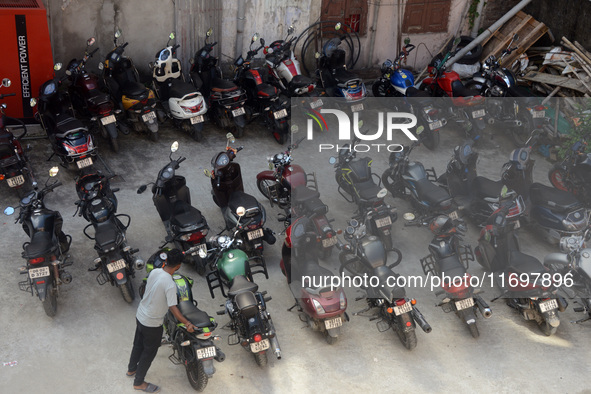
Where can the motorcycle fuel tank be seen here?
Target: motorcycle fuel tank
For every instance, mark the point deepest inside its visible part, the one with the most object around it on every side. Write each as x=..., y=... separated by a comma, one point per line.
x=233, y=263
x=402, y=79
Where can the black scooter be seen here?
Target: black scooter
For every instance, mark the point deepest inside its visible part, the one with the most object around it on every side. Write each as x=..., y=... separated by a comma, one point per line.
x=185, y=225
x=98, y=205
x=226, y=100
x=46, y=251
x=228, y=194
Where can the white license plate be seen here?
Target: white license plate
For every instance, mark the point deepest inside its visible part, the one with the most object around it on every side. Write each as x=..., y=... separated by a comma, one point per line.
x=454, y=215
x=548, y=305
x=436, y=125
x=201, y=247
x=333, y=323
x=399, y=310
x=197, y=119
x=517, y=225
x=479, y=113
x=238, y=112
x=464, y=304
x=538, y=114
x=149, y=116
x=108, y=120
x=41, y=272
x=316, y=104
x=357, y=108
x=280, y=114
x=256, y=347
x=84, y=163
x=16, y=181
x=258, y=233
x=206, y=352
x=116, y=265
x=328, y=242
x=383, y=222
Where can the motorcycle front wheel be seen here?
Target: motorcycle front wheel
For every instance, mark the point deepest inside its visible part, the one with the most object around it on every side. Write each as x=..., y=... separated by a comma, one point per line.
x=50, y=303
x=380, y=88
x=196, y=375
x=280, y=132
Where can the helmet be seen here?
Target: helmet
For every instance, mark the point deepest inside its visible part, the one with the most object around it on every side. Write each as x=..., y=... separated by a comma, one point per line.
x=441, y=225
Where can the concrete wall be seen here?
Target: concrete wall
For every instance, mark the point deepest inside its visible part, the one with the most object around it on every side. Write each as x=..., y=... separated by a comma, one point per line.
x=569, y=18
x=494, y=10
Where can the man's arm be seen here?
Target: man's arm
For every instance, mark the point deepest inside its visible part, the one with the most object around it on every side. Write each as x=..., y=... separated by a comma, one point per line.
x=179, y=316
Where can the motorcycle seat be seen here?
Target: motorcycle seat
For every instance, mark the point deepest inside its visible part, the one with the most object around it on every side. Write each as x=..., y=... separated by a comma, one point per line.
x=393, y=292
x=342, y=76
x=184, y=215
x=459, y=90
x=134, y=89
x=180, y=89
x=266, y=90
x=451, y=267
x=301, y=80
x=222, y=85
x=7, y=155
x=106, y=234
x=555, y=199
x=98, y=98
x=485, y=187
x=241, y=199
x=367, y=190
x=195, y=315
x=411, y=91
x=521, y=263
x=67, y=124
x=430, y=192
x=41, y=244
x=313, y=269
x=241, y=285
x=518, y=91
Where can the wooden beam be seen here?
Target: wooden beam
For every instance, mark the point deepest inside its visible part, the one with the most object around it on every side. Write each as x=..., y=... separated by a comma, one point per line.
x=556, y=80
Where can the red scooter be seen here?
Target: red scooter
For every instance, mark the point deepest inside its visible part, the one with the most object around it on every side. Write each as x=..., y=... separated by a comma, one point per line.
x=465, y=106
x=321, y=306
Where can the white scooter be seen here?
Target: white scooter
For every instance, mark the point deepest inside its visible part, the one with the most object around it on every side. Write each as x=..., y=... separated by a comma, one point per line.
x=181, y=101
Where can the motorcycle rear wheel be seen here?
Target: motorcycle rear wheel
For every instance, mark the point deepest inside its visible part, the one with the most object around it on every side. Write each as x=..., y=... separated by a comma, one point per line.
x=127, y=291
x=431, y=141
x=196, y=375
x=114, y=144
x=154, y=136
x=50, y=303
x=238, y=131
x=547, y=329
x=474, y=330
x=330, y=339
x=408, y=338
x=261, y=359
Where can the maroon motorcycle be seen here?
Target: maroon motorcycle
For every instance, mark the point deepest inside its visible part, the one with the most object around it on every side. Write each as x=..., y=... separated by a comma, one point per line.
x=89, y=100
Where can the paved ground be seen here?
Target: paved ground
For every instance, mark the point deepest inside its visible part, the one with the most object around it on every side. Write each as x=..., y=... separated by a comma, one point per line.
x=86, y=347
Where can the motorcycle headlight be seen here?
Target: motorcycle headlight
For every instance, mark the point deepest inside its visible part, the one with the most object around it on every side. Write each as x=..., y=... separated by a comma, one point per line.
x=319, y=308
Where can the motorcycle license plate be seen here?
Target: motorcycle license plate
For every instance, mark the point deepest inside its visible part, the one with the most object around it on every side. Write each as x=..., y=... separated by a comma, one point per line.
x=538, y=114
x=316, y=104
x=436, y=125
x=84, y=163
x=238, y=111
x=256, y=347
x=280, y=114
x=478, y=113
x=149, y=116
x=464, y=304
x=16, y=181
x=201, y=247
x=357, y=108
x=517, y=225
x=454, y=215
x=108, y=120
x=206, y=352
x=328, y=242
x=399, y=310
x=197, y=119
x=258, y=233
x=383, y=222
x=116, y=265
x=548, y=305
x=333, y=323
x=35, y=273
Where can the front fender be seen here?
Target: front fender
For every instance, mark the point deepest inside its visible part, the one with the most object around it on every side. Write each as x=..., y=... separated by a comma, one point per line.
x=267, y=175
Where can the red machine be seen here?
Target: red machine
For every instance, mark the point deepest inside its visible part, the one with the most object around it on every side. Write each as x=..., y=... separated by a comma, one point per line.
x=26, y=52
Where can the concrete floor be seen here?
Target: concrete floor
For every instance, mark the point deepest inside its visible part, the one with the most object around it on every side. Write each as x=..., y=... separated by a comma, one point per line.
x=86, y=347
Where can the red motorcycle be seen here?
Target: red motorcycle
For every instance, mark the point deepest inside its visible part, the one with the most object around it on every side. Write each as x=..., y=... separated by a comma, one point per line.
x=321, y=306
x=465, y=106
x=89, y=100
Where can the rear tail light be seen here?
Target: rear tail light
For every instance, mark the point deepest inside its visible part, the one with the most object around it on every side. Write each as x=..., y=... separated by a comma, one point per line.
x=516, y=209
x=38, y=260
x=445, y=205
x=540, y=108
x=257, y=337
x=400, y=302
x=433, y=112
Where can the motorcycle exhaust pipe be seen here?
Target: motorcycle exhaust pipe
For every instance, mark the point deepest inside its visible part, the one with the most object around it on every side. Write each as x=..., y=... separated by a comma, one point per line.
x=220, y=356
x=420, y=319
x=66, y=277
x=483, y=307
x=275, y=344
x=562, y=304
x=491, y=120
x=139, y=263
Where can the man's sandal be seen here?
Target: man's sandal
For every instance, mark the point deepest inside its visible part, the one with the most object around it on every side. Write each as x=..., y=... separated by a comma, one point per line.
x=130, y=374
x=150, y=388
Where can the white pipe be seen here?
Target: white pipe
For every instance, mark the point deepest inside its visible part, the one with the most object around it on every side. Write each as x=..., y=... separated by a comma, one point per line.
x=476, y=26
x=372, y=39
x=488, y=32
x=240, y=26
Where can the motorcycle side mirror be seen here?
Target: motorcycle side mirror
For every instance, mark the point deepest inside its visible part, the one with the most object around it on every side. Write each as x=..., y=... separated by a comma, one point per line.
x=294, y=128
x=57, y=66
x=407, y=41
x=504, y=191
x=290, y=30
x=420, y=129
x=9, y=211
x=142, y=189
x=33, y=102
x=230, y=138
x=255, y=37
x=90, y=41
x=202, y=253
x=174, y=147
x=6, y=82
x=262, y=41
x=382, y=193
x=409, y=216
x=332, y=160
x=337, y=26
x=207, y=173
x=101, y=66
x=240, y=211
x=53, y=171
x=171, y=36
x=317, y=55
x=118, y=33
x=209, y=32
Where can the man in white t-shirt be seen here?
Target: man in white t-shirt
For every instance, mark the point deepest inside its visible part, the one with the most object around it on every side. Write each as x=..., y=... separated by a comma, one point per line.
x=160, y=297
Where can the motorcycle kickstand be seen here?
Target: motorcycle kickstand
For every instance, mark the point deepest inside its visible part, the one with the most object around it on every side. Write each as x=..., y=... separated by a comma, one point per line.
x=362, y=311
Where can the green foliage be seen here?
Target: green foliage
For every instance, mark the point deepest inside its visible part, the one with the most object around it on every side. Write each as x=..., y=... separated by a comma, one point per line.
x=473, y=13
x=581, y=129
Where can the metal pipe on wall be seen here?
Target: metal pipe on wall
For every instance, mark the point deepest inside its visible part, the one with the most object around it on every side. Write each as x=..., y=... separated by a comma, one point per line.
x=476, y=26
x=240, y=26
x=372, y=39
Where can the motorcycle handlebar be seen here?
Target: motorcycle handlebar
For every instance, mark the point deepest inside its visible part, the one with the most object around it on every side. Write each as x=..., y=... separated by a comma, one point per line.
x=124, y=45
x=239, y=148
x=179, y=161
x=93, y=52
x=175, y=47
